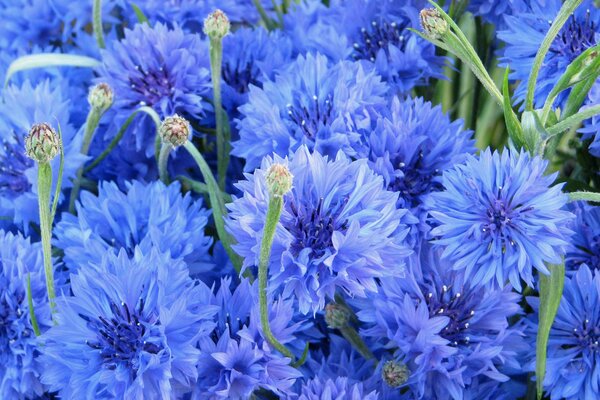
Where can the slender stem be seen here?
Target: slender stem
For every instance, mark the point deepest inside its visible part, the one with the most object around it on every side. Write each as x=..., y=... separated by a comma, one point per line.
x=585, y=196
x=44, y=187
x=273, y=214
x=97, y=23
x=354, y=338
x=34, y=322
x=61, y=167
x=263, y=15
x=565, y=12
x=216, y=59
x=217, y=203
x=163, y=158
x=91, y=123
x=574, y=120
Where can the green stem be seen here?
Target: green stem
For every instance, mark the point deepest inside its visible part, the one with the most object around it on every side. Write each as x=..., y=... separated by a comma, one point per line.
x=91, y=123
x=269, y=24
x=273, y=214
x=59, y=178
x=163, y=158
x=216, y=59
x=97, y=23
x=217, y=203
x=354, y=338
x=44, y=187
x=585, y=196
x=573, y=120
x=34, y=323
x=566, y=10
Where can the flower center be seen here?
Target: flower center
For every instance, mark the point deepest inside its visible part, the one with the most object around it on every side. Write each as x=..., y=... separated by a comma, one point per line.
x=458, y=308
x=575, y=37
x=10, y=311
x=123, y=336
x=587, y=336
x=313, y=229
x=152, y=85
x=312, y=117
x=13, y=164
x=415, y=180
x=377, y=36
x=240, y=77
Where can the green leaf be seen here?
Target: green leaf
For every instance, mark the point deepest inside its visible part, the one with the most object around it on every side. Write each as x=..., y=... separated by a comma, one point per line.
x=551, y=287
x=44, y=60
x=578, y=96
x=574, y=120
x=533, y=131
x=141, y=17
x=515, y=130
x=585, y=196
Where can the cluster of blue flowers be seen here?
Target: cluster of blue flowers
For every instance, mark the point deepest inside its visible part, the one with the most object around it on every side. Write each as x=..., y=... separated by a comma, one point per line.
x=299, y=156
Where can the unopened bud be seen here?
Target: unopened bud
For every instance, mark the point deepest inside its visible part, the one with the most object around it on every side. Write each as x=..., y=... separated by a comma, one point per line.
x=175, y=130
x=432, y=22
x=279, y=179
x=336, y=316
x=395, y=373
x=216, y=25
x=100, y=97
x=42, y=143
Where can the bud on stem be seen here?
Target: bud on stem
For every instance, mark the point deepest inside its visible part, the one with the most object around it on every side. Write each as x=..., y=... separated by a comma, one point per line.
x=395, y=373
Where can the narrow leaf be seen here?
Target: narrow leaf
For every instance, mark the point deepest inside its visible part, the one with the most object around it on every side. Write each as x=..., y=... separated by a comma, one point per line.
x=578, y=96
x=533, y=131
x=515, y=130
x=141, y=17
x=44, y=60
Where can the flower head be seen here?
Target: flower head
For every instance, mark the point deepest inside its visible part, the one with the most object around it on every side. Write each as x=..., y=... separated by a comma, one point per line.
x=339, y=228
x=42, y=143
x=308, y=103
x=335, y=389
x=145, y=215
x=216, y=25
x=19, y=364
x=394, y=373
x=129, y=330
x=499, y=215
x=279, y=180
x=336, y=315
x=175, y=130
x=585, y=243
x=432, y=22
x=100, y=97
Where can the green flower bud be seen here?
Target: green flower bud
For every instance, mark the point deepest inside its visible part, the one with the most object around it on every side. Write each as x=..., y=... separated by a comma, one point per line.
x=433, y=24
x=175, y=130
x=336, y=316
x=394, y=373
x=100, y=97
x=279, y=179
x=42, y=143
x=216, y=25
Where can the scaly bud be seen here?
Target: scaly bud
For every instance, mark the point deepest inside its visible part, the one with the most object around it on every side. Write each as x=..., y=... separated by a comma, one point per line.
x=279, y=180
x=100, y=97
x=336, y=316
x=432, y=22
x=394, y=373
x=216, y=25
x=175, y=130
x=42, y=143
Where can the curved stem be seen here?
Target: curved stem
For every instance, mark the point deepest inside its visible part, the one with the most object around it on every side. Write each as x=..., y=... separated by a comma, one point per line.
x=273, y=214
x=163, y=158
x=34, y=323
x=573, y=120
x=97, y=23
x=44, y=187
x=354, y=338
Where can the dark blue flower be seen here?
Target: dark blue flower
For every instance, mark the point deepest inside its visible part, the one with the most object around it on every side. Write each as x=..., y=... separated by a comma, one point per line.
x=128, y=331
x=340, y=388
x=235, y=359
x=339, y=229
x=162, y=68
x=573, y=361
x=585, y=243
x=494, y=11
x=499, y=216
x=451, y=336
x=28, y=23
x=310, y=103
x=21, y=107
x=523, y=36
x=144, y=215
x=19, y=364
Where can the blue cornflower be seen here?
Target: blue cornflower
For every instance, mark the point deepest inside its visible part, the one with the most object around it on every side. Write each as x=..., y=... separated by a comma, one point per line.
x=339, y=229
x=585, y=243
x=524, y=33
x=19, y=365
x=452, y=337
x=573, y=362
x=146, y=215
x=21, y=107
x=128, y=331
x=591, y=126
x=309, y=103
x=28, y=23
x=340, y=388
x=411, y=144
x=163, y=68
x=235, y=360
x=499, y=215
x=494, y=11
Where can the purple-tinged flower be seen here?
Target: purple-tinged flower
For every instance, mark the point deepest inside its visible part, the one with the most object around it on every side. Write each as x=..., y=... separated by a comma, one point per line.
x=20, y=370
x=128, y=330
x=495, y=11
x=340, y=388
x=309, y=103
x=499, y=216
x=585, y=243
x=339, y=228
x=143, y=215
